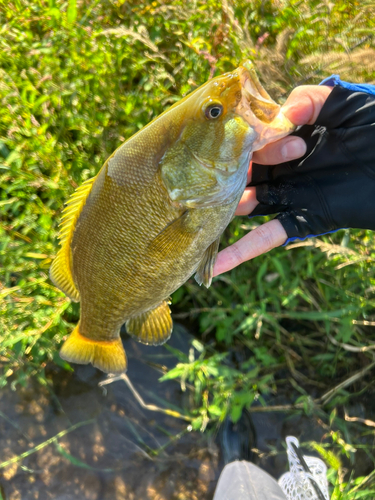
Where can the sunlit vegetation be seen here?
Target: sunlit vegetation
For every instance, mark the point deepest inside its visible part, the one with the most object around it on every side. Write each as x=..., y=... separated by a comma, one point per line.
x=76, y=80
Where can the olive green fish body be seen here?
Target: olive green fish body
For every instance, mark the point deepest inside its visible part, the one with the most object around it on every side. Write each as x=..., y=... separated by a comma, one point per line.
x=134, y=275
x=154, y=214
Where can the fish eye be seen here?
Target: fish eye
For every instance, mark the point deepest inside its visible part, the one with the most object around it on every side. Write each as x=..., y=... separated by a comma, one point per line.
x=213, y=111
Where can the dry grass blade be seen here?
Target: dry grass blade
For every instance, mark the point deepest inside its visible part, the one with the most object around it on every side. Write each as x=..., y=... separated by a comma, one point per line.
x=365, y=421
x=349, y=381
x=141, y=37
x=324, y=247
x=139, y=398
x=349, y=347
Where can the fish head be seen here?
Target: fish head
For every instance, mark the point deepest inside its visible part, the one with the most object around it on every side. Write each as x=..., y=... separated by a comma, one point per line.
x=222, y=123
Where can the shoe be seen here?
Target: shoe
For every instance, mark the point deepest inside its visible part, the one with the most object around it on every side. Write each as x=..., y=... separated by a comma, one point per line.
x=237, y=440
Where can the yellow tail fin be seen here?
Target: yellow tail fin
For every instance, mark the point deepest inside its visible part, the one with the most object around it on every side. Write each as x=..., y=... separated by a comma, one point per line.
x=107, y=355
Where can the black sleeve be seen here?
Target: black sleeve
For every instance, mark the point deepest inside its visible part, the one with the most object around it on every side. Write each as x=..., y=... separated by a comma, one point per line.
x=333, y=185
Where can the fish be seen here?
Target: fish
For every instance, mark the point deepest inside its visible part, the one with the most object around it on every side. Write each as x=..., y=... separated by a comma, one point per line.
x=153, y=215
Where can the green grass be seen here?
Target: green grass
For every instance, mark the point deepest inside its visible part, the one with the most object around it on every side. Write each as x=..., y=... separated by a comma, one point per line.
x=76, y=79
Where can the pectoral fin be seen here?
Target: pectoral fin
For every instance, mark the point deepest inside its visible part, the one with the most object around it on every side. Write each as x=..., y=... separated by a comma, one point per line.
x=177, y=236
x=152, y=327
x=206, y=266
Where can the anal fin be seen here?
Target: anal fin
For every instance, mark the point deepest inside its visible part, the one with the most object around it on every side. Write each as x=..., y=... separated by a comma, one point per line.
x=152, y=327
x=107, y=355
x=206, y=267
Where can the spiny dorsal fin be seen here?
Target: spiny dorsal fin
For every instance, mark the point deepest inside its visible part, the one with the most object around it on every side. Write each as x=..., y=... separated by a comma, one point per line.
x=61, y=269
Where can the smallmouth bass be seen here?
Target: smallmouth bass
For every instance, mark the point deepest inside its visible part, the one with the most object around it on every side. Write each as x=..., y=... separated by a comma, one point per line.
x=154, y=214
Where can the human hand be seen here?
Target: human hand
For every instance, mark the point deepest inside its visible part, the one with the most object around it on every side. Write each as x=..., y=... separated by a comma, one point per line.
x=331, y=187
x=302, y=108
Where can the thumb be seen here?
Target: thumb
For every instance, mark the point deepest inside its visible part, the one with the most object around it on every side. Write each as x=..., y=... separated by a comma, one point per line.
x=305, y=103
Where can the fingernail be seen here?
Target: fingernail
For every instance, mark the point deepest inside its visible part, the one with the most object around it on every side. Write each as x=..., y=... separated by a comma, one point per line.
x=295, y=148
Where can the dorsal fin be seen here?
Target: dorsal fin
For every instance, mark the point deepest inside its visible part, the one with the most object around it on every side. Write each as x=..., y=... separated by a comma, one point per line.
x=61, y=269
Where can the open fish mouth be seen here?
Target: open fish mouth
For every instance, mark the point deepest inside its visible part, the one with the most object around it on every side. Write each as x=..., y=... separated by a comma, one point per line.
x=259, y=110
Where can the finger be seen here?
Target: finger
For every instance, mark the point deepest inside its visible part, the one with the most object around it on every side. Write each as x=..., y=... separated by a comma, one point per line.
x=248, y=202
x=261, y=240
x=249, y=173
x=281, y=151
x=305, y=103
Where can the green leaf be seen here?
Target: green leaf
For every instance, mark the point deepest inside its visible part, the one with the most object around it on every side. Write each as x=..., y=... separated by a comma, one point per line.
x=214, y=410
x=236, y=412
x=197, y=423
x=72, y=460
x=329, y=457
x=320, y=315
x=72, y=11
x=174, y=373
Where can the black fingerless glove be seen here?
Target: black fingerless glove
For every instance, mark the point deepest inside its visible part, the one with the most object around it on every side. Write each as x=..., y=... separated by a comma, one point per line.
x=333, y=185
